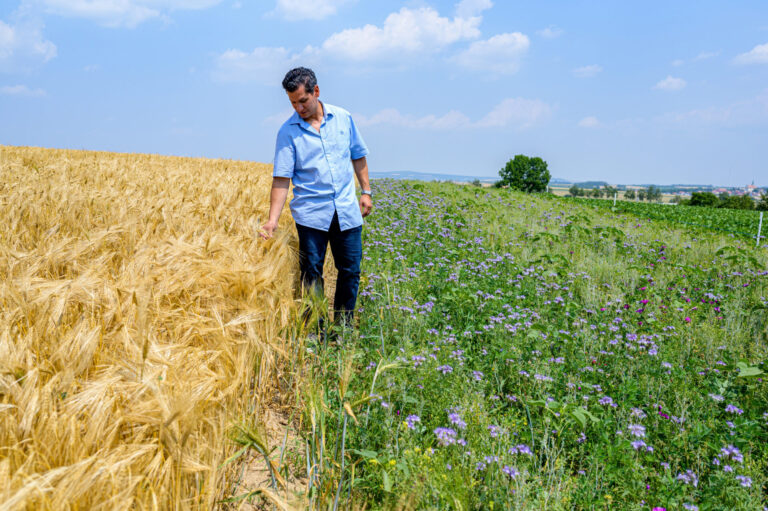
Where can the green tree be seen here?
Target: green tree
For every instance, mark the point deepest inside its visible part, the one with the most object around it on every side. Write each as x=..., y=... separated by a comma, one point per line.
x=738, y=202
x=597, y=193
x=525, y=174
x=762, y=204
x=641, y=194
x=653, y=193
x=705, y=199
x=575, y=191
x=629, y=194
x=477, y=182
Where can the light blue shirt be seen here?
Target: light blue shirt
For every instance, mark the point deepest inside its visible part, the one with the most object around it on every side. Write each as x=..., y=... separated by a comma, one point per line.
x=320, y=165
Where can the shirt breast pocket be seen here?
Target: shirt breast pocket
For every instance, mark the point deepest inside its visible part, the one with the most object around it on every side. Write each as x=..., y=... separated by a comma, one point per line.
x=342, y=143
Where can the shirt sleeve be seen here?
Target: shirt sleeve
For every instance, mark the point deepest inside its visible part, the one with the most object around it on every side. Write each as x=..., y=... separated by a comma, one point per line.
x=357, y=147
x=285, y=155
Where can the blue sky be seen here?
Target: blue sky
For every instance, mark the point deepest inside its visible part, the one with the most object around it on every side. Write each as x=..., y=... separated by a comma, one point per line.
x=627, y=92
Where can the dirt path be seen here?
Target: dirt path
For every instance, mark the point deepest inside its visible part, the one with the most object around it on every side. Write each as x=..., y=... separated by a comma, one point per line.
x=280, y=433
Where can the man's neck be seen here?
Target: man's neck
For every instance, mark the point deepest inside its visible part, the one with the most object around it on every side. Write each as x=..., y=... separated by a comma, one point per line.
x=319, y=115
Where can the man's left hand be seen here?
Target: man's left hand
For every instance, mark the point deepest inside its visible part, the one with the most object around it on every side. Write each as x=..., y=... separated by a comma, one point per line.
x=366, y=205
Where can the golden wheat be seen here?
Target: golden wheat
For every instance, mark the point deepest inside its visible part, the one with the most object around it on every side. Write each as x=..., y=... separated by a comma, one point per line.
x=140, y=316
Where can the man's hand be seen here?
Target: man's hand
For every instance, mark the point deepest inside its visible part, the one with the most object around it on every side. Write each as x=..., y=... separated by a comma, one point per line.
x=277, y=198
x=268, y=229
x=366, y=204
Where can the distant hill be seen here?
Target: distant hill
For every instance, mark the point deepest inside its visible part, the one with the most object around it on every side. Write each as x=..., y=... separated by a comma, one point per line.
x=461, y=178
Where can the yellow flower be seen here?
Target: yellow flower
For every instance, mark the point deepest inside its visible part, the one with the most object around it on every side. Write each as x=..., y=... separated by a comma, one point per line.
x=417, y=450
x=392, y=463
x=373, y=461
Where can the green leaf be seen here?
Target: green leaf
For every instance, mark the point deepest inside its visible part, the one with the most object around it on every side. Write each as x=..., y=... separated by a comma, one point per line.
x=365, y=453
x=387, y=482
x=746, y=371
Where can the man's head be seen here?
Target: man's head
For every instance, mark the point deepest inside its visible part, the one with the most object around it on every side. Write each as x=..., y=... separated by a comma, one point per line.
x=301, y=86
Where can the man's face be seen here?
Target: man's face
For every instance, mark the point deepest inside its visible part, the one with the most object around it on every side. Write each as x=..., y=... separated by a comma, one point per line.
x=305, y=103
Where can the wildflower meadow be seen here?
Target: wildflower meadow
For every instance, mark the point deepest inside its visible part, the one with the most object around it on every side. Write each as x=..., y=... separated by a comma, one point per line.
x=524, y=352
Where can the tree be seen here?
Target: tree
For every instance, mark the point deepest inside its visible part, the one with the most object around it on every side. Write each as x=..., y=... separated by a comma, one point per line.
x=525, y=174
x=629, y=194
x=641, y=194
x=596, y=193
x=653, y=193
x=738, y=202
x=762, y=204
x=705, y=199
x=477, y=182
x=575, y=191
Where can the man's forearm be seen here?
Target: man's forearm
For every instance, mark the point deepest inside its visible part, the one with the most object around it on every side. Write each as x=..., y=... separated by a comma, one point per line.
x=361, y=171
x=278, y=196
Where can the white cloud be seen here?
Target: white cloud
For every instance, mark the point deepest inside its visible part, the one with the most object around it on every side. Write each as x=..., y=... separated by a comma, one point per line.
x=551, y=32
x=670, y=83
x=512, y=112
x=500, y=54
x=393, y=117
x=678, y=62
x=21, y=90
x=23, y=45
x=405, y=31
x=119, y=13
x=587, y=71
x=706, y=55
x=471, y=8
x=589, y=122
x=295, y=10
x=516, y=112
x=263, y=64
x=757, y=55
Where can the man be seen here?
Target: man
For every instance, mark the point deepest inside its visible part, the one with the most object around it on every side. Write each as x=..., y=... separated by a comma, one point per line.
x=319, y=148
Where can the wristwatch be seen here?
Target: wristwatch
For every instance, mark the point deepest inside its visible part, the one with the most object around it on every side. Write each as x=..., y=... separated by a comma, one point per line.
x=369, y=193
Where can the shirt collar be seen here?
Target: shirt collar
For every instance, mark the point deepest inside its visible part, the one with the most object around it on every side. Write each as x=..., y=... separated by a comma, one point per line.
x=327, y=114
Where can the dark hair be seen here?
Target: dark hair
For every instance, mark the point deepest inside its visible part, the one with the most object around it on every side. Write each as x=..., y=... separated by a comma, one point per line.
x=300, y=76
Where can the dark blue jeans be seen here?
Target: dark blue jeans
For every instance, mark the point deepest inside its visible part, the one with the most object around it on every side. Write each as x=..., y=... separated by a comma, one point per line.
x=347, y=250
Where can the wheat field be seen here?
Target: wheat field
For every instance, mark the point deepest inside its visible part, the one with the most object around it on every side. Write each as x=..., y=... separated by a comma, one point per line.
x=140, y=317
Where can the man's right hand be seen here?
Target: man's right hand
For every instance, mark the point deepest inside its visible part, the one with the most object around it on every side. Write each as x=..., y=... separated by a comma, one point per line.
x=268, y=229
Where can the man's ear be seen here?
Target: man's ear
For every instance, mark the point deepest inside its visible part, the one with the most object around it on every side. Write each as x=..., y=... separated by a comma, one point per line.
x=316, y=92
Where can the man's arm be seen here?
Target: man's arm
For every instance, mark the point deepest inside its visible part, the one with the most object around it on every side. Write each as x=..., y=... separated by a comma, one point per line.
x=361, y=171
x=277, y=198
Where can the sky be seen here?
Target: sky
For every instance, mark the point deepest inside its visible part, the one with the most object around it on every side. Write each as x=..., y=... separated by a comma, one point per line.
x=625, y=92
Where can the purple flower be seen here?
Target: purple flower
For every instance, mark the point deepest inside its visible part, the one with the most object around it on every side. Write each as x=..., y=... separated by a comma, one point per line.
x=732, y=452
x=638, y=444
x=745, y=481
x=689, y=477
x=445, y=369
x=445, y=436
x=734, y=409
x=494, y=431
x=455, y=419
x=716, y=397
x=512, y=472
x=690, y=507
x=477, y=375
x=727, y=468
x=607, y=401
x=638, y=430
x=520, y=449
x=411, y=421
